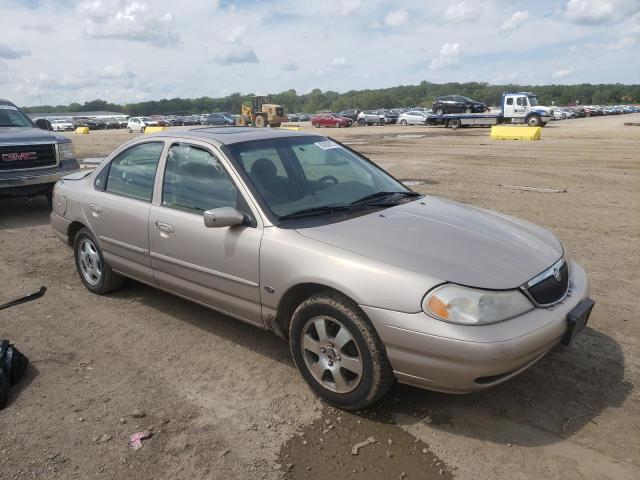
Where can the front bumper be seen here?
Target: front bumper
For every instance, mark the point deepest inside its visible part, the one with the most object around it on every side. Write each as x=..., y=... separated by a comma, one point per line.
x=441, y=356
x=18, y=181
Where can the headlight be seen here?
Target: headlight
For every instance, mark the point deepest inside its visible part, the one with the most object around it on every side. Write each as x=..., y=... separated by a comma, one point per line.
x=66, y=151
x=468, y=306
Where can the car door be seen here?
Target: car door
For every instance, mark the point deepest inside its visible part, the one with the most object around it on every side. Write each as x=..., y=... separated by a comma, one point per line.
x=218, y=267
x=117, y=208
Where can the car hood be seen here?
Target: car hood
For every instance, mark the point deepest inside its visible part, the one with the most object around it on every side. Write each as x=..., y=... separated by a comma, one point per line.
x=13, y=135
x=448, y=241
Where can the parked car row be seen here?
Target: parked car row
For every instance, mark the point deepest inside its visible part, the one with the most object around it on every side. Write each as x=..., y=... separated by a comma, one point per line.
x=562, y=113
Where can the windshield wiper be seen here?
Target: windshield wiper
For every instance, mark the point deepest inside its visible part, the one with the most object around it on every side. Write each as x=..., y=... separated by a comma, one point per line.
x=377, y=195
x=306, y=212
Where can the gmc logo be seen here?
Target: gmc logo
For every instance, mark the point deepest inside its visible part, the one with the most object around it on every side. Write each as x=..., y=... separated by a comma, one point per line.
x=19, y=156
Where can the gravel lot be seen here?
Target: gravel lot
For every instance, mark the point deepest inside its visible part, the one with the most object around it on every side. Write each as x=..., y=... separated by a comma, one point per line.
x=223, y=398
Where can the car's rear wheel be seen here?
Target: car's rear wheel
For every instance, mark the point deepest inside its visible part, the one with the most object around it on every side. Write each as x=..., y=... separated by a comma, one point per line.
x=469, y=110
x=455, y=123
x=95, y=273
x=439, y=111
x=338, y=352
x=337, y=125
x=362, y=122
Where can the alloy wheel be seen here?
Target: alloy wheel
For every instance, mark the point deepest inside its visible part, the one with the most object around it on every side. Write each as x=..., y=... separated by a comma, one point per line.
x=89, y=261
x=331, y=354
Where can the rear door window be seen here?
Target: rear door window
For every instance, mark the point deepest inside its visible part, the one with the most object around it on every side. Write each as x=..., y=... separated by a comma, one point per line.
x=133, y=172
x=195, y=181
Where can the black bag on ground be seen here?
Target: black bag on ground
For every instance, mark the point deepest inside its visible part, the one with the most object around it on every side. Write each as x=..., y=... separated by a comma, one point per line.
x=12, y=367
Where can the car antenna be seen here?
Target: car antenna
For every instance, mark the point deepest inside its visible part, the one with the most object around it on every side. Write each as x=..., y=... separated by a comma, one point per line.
x=47, y=122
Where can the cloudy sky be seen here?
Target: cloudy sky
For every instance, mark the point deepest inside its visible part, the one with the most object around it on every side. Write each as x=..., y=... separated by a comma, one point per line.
x=133, y=50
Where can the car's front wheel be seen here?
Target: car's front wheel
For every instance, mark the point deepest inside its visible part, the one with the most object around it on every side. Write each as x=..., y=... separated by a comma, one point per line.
x=338, y=352
x=95, y=273
x=439, y=111
x=403, y=122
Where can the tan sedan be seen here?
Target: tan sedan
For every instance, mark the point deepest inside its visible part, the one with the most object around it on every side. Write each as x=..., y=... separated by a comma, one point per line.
x=370, y=281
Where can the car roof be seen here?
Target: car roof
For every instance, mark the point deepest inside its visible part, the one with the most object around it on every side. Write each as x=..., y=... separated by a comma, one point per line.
x=231, y=135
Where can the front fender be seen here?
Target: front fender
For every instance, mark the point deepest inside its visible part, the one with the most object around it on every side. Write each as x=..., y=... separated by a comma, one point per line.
x=288, y=259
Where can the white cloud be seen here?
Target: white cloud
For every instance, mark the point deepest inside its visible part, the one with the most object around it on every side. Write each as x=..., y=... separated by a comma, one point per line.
x=40, y=27
x=235, y=54
x=9, y=53
x=127, y=20
x=347, y=7
x=289, y=66
x=462, y=12
x=563, y=72
x=339, y=62
x=449, y=56
x=515, y=21
x=396, y=18
x=598, y=12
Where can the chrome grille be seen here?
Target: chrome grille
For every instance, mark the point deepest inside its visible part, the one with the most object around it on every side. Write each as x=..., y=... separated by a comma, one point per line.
x=19, y=157
x=550, y=286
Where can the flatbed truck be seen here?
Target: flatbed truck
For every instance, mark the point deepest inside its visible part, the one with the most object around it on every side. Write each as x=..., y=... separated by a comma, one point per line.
x=516, y=108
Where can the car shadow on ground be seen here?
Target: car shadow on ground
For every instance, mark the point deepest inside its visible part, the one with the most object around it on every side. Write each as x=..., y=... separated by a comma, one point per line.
x=24, y=212
x=551, y=401
x=248, y=336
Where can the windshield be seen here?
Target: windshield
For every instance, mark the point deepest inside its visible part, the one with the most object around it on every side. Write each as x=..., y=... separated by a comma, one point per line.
x=295, y=174
x=10, y=116
x=533, y=101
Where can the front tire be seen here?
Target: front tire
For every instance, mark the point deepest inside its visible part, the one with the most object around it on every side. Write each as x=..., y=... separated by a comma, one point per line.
x=142, y=129
x=94, y=272
x=338, y=352
x=403, y=122
x=439, y=111
x=129, y=130
x=534, y=121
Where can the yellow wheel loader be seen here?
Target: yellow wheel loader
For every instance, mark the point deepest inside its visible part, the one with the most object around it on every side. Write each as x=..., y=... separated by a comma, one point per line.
x=261, y=113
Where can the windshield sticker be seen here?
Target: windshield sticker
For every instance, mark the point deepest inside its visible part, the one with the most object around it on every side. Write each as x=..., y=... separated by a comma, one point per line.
x=8, y=107
x=327, y=145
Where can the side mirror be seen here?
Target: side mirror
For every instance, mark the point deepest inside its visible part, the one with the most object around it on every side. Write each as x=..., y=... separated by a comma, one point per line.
x=44, y=124
x=222, y=217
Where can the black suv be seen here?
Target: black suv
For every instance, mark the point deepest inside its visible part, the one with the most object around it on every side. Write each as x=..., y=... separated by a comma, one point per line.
x=457, y=104
x=32, y=159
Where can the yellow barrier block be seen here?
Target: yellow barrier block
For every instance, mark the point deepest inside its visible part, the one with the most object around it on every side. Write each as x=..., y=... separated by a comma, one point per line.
x=154, y=129
x=82, y=130
x=501, y=132
x=291, y=128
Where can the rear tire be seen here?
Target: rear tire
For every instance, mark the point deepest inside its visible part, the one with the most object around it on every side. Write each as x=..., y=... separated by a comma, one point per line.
x=350, y=369
x=337, y=125
x=94, y=272
x=362, y=122
x=129, y=130
x=455, y=123
x=469, y=110
x=260, y=122
x=439, y=111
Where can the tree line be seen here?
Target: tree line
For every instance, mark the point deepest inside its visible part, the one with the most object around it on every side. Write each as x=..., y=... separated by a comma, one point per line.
x=400, y=96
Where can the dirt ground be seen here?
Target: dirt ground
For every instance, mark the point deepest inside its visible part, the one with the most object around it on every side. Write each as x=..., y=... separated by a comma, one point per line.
x=223, y=399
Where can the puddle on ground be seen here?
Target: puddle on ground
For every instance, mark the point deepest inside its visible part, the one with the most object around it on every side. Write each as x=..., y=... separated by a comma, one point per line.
x=323, y=449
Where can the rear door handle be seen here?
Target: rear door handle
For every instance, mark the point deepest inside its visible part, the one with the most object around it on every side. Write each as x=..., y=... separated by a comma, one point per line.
x=95, y=209
x=164, y=227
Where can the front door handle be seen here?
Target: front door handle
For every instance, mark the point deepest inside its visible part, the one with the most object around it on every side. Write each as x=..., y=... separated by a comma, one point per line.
x=164, y=227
